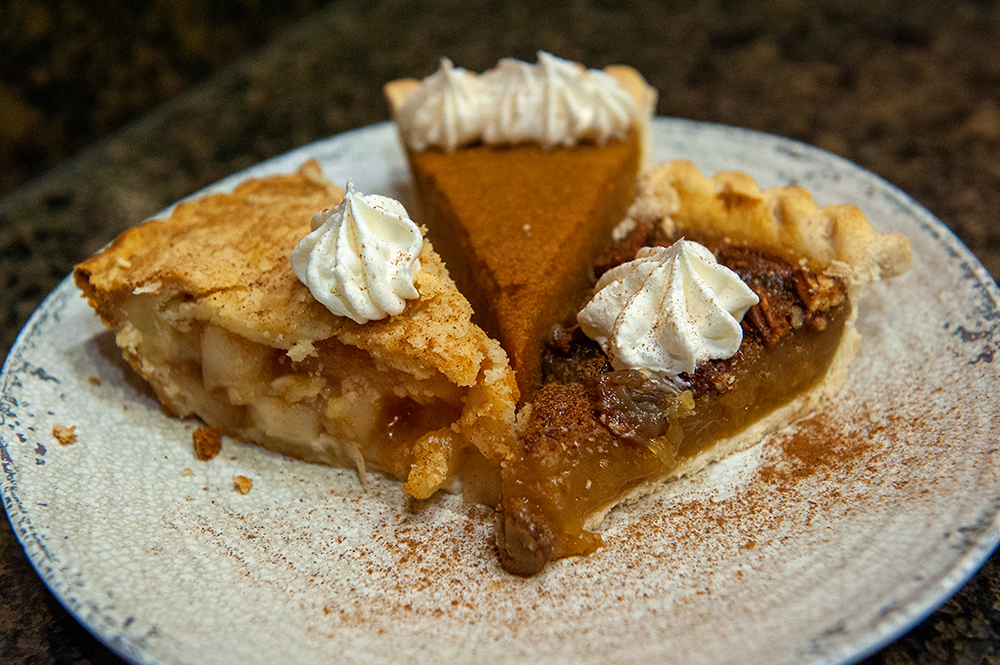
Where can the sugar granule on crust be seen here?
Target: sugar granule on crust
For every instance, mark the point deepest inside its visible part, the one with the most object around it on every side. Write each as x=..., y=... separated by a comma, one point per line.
x=207, y=442
x=242, y=484
x=66, y=436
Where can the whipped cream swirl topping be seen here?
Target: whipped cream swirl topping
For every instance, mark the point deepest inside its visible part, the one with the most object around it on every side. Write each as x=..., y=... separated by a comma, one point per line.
x=668, y=311
x=445, y=110
x=553, y=103
x=361, y=258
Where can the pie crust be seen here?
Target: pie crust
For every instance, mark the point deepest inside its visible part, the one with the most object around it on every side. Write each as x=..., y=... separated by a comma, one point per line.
x=834, y=238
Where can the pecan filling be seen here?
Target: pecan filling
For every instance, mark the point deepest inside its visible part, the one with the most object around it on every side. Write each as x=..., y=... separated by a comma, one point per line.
x=593, y=433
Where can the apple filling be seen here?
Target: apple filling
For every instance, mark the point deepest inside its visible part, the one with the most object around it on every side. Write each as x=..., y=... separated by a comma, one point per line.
x=594, y=435
x=335, y=405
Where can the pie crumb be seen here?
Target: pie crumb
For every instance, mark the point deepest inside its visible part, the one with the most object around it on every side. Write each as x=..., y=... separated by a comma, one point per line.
x=207, y=442
x=94, y=381
x=187, y=472
x=242, y=484
x=66, y=436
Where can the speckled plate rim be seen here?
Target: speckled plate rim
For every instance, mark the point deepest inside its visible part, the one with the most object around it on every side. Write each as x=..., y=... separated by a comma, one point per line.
x=669, y=133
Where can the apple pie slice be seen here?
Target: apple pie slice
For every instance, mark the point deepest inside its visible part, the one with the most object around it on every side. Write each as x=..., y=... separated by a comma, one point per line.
x=206, y=308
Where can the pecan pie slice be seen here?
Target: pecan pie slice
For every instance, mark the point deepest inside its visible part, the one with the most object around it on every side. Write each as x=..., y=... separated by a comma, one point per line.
x=595, y=436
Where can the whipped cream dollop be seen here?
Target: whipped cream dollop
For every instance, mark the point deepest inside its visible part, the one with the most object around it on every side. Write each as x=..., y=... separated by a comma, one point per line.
x=668, y=311
x=445, y=111
x=555, y=102
x=361, y=258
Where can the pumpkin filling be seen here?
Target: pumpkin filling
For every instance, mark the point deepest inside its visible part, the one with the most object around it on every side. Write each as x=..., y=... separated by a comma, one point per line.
x=594, y=433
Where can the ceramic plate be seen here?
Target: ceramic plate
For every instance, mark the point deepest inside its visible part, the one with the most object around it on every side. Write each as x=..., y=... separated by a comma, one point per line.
x=822, y=544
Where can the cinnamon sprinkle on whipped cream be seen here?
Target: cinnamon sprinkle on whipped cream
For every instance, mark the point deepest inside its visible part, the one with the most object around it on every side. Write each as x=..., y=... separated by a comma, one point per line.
x=555, y=102
x=361, y=258
x=668, y=311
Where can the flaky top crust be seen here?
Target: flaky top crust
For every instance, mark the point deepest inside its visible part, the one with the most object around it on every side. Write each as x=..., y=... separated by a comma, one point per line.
x=226, y=259
x=834, y=238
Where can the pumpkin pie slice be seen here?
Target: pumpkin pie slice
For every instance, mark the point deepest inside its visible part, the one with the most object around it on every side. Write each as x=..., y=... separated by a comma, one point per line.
x=206, y=308
x=518, y=222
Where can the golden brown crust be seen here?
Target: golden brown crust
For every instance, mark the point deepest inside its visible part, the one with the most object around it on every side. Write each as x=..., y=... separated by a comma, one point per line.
x=238, y=270
x=645, y=101
x=397, y=91
x=783, y=219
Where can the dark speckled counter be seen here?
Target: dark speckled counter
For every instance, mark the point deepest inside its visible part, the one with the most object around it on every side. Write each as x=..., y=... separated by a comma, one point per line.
x=909, y=90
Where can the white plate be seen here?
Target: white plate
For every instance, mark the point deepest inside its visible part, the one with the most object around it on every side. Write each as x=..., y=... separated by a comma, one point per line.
x=766, y=558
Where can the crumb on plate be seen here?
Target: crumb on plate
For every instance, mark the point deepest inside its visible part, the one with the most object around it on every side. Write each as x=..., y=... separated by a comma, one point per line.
x=66, y=436
x=207, y=442
x=242, y=484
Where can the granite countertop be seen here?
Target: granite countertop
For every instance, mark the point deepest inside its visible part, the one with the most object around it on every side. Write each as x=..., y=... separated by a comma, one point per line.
x=908, y=90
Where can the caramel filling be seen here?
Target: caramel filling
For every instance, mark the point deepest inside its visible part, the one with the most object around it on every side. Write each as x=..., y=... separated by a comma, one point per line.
x=593, y=433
